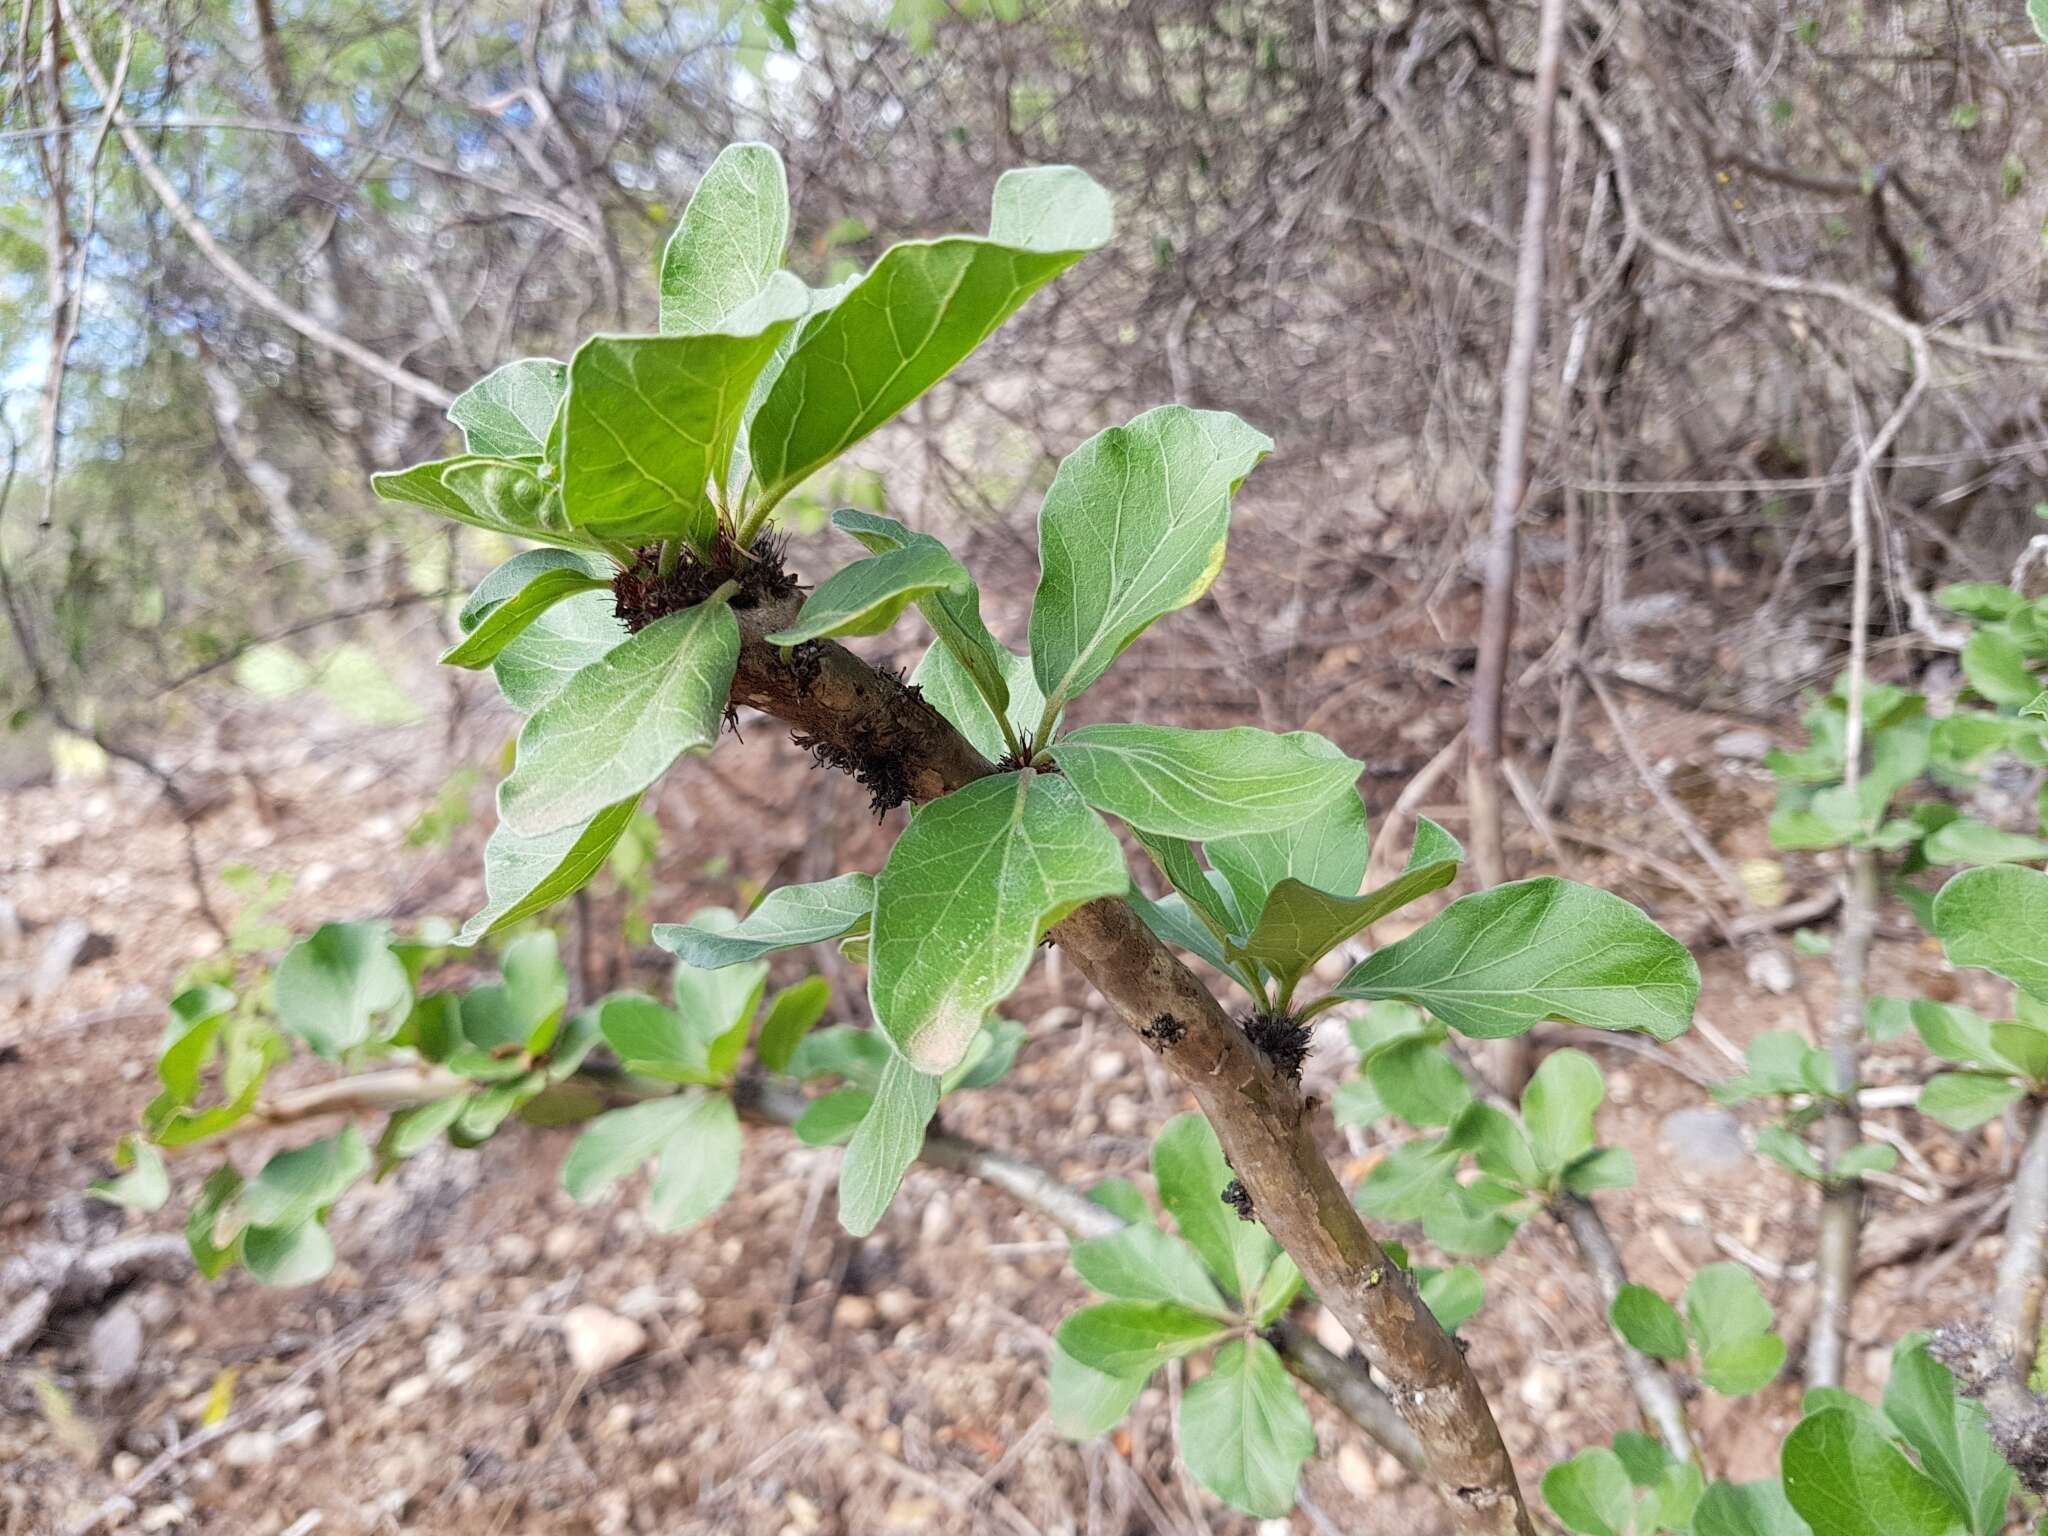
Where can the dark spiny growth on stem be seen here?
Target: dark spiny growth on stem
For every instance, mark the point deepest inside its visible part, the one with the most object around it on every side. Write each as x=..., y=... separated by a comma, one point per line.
x=2016, y=1418
x=641, y=593
x=1282, y=1040
x=878, y=753
x=1239, y=1199
x=1163, y=1031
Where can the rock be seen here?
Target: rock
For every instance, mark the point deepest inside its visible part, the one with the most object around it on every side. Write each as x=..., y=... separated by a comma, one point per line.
x=1705, y=1140
x=115, y=1346
x=896, y=1305
x=405, y=1393
x=61, y=952
x=443, y=1348
x=124, y=1466
x=1330, y=1333
x=515, y=1252
x=1106, y=1066
x=597, y=1339
x=1121, y=1115
x=1742, y=746
x=936, y=1224
x=160, y=1517
x=249, y=1448
x=1541, y=1389
x=854, y=1313
x=1354, y=1467
x=1770, y=969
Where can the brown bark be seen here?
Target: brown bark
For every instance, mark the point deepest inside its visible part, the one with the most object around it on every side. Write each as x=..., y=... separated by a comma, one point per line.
x=1259, y=1115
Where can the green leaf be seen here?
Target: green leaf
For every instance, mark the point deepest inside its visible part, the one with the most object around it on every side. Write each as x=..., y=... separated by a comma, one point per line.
x=730, y=241
x=147, y=1183
x=1980, y=600
x=1592, y=1494
x=654, y=1041
x=886, y=1144
x=525, y=875
x=411, y=1131
x=1997, y=918
x=788, y=917
x=1997, y=668
x=1325, y=851
x=2025, y=1047
x=1498, y=1144
x=287, y=1256
x=1730, y=1323
x=1962, y=1101
x=506, y=621
x=969, y=889
x=1282, y=1284
x=792, y=1013
x=1602, y=1168
x=1452, y=1295
x=1133, y=527
x=1410, y=1181
x=1747, y=1509
x=1188, y=1165
x=1846, y=1479
x=720, y=1004
x=1298, y=924
x=954, y=613
x=212, y=1249
x=869, y=596
x=189, y=1040
x=507, y=496
x=1418, y=1081
x=1866, y=1157
x=652, y=421
x=1649, y=1323
x=950, y=690
x=296, y=1185
x=1133, y=1338
x=918, y=312
x=1789, y=1150
x=523, y=1011
x=693, y=1138
x=1121, y=1198
x=1087, y=1402
x=1205, y=893
x=506, y=413
x=1969, y=841
x=1203, y=784
x=329, y=987
x=2037, y=13
x=833, y=1117
x=1948, y=1433
x=619, y=723
x=1558, y=1107
x=1142, y=1263
x=515, y=575
x=1496, y=963
x=552, y=651
x=1244, y=1431
x=1954, y=1033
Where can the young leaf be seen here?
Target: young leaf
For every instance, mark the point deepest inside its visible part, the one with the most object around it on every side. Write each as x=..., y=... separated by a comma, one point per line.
x=1962, y=1101
x=1325, y=851
x=1498, y=962
x=1122, y=1198
x=1787, y=1149
x=146, y=1184
x=792, y=1013
x=1954, y=1033
x=1244, y=1431
x=506, y=413
x=954, y=613
x=1602, y=1168
x=654, y=1041
x=508, y=580
x=833, y=1117
x=692, y=1137
x=952, y=691
x=869, y=596
x=1592, y=1494
x=1558, y=1107
x=886, y=1144
x=1747, y=1509
x=1997, y=669
x=506, y=496
x=1132, y=1338
x=1298, y=924
x=730, y=241
x=720, y=1004
x=1846, y=1479
x=1174, y=920
x=1410, y=1182
x=1969, y=841
x=1419, y=1082
x=1203, y=784
x=651, y=421
x=1452, y=1295
x=1730, y=1323
x=331, y=986
x=968, y=891
x=524, y=1009
x=1206, y=894
x=917, y=313
x=525, y=875
x=1087, y=1402
x=507, y=620
x=1282, y=1284
x=788, y=917
x=1997, y=918
x=1132, y=528
x=552, y=651
x=1498, y=1145
x=620, y=722
x=1648, y=1322
x=296, y=1185
x=286, y=1256
x=1947, y=1430
x=1187, y=1163
x=1142, y=1263
x=212, y=1249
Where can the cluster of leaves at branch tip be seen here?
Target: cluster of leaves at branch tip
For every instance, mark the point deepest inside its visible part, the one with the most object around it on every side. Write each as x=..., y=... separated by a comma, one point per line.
x=654, y=464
